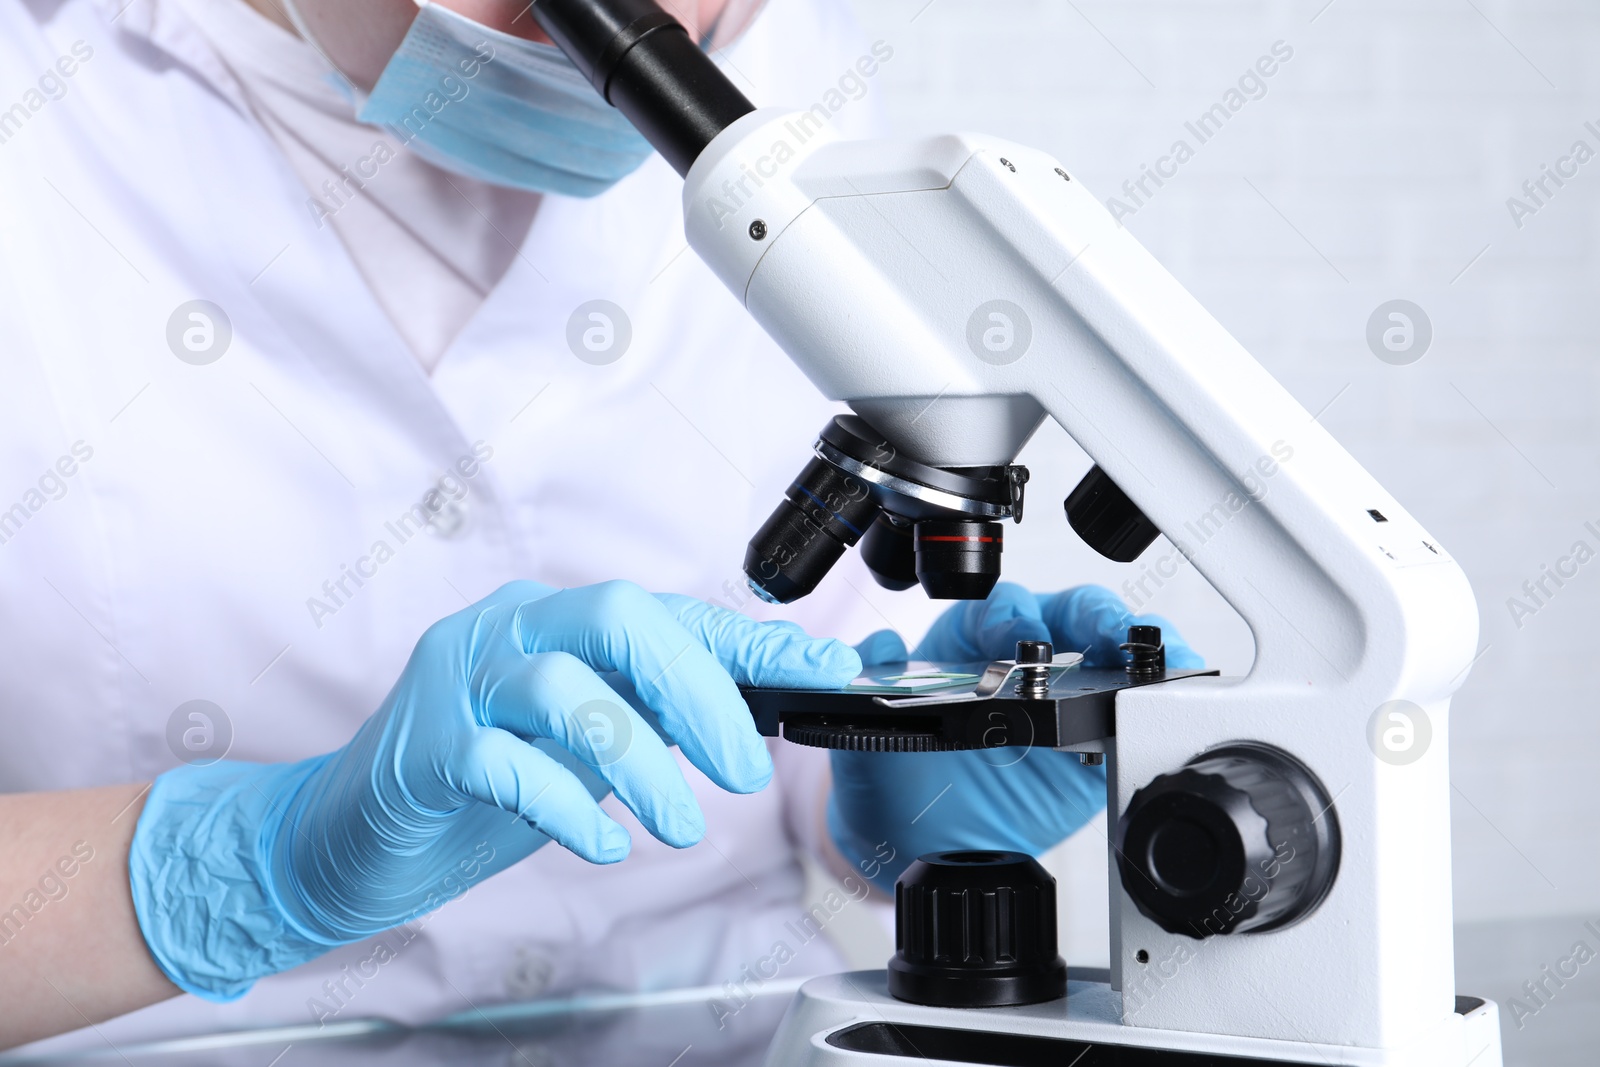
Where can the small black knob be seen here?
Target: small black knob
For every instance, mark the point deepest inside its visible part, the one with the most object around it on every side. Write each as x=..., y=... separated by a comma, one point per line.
x=976, y=930
x=1035, y=652
x=1107, y=520
x=1147, y=656
x=1148, y=635
x=1034, y=659
x=1241, y=839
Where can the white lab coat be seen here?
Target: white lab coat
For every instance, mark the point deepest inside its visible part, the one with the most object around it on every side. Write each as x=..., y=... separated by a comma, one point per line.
x=207, y=506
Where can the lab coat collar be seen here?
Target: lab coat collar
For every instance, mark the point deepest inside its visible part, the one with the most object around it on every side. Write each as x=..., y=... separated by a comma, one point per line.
x=379, y=363
x=164, y=25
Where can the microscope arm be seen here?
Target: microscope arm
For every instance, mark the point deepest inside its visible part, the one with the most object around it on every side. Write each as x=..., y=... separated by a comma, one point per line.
x=877, y=265
x=955, y=291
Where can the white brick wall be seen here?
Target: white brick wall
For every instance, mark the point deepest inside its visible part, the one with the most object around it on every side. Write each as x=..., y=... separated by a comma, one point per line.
x=1391, y=140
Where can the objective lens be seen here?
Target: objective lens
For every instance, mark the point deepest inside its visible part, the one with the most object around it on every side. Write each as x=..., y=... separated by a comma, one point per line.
x=958, y=559
x=824, y=512
x=890, y=553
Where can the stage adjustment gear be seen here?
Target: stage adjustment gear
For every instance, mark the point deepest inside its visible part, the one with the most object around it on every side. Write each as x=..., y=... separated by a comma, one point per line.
x=857, y=737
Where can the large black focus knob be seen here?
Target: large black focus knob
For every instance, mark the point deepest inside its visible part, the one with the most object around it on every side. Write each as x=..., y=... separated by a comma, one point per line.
x=976, y=930
x=1242, y=839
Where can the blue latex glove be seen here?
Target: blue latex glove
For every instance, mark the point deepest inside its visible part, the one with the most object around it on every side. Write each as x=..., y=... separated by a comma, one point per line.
x=240, y=870
x=889, y=808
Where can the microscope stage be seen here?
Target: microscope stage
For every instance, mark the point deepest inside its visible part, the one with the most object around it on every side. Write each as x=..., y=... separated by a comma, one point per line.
x=1078, y=712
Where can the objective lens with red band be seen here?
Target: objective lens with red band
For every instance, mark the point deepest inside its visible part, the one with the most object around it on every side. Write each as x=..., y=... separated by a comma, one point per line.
x=958, y=559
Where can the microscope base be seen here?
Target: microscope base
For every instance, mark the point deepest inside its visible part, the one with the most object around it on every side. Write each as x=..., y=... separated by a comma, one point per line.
x=850, y=1020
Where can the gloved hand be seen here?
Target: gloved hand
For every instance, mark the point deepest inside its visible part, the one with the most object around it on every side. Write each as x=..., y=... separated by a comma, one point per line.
x=240, y=870
x=889, y=808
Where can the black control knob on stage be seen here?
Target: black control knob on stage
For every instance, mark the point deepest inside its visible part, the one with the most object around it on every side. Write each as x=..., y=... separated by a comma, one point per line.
x=976, y=930
x=1035, y=652
x=1147, y=656
x=1033, y=660
x=1242, y=839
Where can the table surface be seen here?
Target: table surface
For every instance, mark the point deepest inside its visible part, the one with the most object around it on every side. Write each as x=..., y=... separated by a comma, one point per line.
x=679, y=1028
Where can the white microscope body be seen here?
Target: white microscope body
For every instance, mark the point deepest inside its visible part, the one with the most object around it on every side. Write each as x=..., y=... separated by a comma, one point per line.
x=954, y=292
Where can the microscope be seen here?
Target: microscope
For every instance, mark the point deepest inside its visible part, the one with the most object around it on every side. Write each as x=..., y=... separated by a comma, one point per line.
x=1280, y=872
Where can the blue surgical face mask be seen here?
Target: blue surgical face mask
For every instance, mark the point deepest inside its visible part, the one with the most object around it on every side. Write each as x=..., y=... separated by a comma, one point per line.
x=500, y=109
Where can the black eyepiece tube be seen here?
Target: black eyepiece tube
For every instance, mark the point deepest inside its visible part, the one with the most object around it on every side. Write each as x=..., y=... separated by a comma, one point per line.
x=643, y=62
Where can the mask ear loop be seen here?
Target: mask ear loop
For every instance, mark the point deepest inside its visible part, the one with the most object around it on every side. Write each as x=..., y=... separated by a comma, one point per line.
x=292, y=9
x=343, y=81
